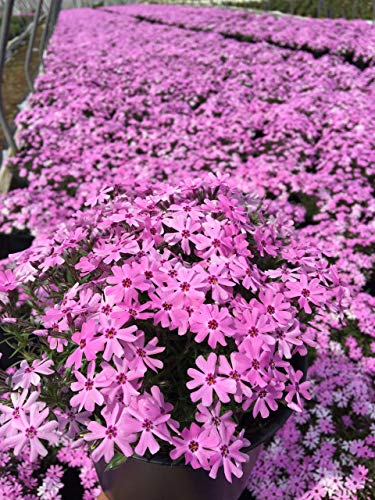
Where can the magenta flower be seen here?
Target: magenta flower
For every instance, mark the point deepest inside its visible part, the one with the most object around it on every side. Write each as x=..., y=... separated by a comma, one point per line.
x=229, y=456
x=265, y=398
x=30, y=430
x=213, y=420
x=114, y=337
x=21, y=403
x=306, y=292
x=213, y=322
x=185, y=228
x=8, y=281
x=88, y=345
x=254, y=324
x=253, y=349
x=237, y=370
x=28, y=375
x=126, y=283
x=110, y=434
x=88, y=387
x=145, y=418
x=217, y=279
x=142, y=353
x=297, y=389
x=197, y=445
x=122, y=379
x=209, y=381
x=274, y=306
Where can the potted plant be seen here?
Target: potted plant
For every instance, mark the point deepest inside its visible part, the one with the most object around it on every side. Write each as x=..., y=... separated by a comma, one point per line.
x=165, y=330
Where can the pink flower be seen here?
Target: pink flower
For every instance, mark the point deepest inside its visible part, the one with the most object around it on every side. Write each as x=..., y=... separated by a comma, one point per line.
x=274, y=306
x=142, y=353
x=146, y=418
x=170, y=313
x=8, y=281
x=89, y=345
x=297, y=389
x=266, y=397
x=30, y=431
x=306, y=292
x=213, y=241
x=185, y=228
x=21, y=403
x=123, y=379
x=197, y=445
x=217, y=279
x=229, y=456
x=126, y=283
x=213, y=322
x=186, y=287
x=253, y=350
x=113, y=337
x=88, y=395
x=254, y=324
x=27, y=375
x=213, y=420
x=110, y=434
x=209, y=381
x=236, y=370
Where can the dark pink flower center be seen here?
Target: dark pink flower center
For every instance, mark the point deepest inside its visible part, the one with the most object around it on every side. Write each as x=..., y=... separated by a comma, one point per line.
x=271, y=310
x=193, y=446
x=253, y=332
x=82, y=344
x=213, y=280
x=185, y=233
x=224, y=450
x=172, y=273
x=89, y=384
x=216, y=243
x=29, y=369
x=16, y=412
x=141, y=352
x=216, y=421
x=305, y=292
x=263, y=394
x=31, y=432
x=110, y=333
x=111, y=432
x=167, y=307
x=107, y=309
x=127, y=283
x=234, y=374
x=255, y=364
x=210, y=379
x=147, y=425
x=121, y=378
x=149, y=274
x=185, y=287
x=213, y=324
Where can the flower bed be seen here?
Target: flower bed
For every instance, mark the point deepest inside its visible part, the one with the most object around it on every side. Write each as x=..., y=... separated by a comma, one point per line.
x=278, y=110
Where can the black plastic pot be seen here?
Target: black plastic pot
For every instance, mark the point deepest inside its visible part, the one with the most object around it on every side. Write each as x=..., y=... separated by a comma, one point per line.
x=13, y=243
x=158, y=479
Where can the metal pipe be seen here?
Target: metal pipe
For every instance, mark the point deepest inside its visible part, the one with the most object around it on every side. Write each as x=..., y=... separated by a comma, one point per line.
x=4, y=32
x=31, y=45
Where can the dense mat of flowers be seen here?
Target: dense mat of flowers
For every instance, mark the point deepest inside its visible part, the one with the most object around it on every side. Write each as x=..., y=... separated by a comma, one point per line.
x=284, y=109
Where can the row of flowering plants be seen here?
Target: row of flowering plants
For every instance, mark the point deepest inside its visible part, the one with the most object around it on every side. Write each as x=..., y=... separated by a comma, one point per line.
x=158, y=324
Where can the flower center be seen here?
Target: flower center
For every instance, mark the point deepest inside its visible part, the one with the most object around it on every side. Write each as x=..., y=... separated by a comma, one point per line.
x=185, y=287
x=149, y=274
x=121, y=378
x=263, y=394
x=215, y=243
x=305, y=292
x=127, y=283
x=224, y=450
x=141, y=352
x=193, y=446
x=234, y=374
x=185, y=233
x=147, y=425
x=213, y=324
x=16, y=412
x=255, y=364
x=132, y=312
x=110, y=333
x=213, y=280
x=107, y=309
x=111, y=432
x=89, y=384
x=167, y=307
x=172, y=273
x=271, y=310
x=31, y=432
x=82, y=344
x=210, y=379
x=253, y=332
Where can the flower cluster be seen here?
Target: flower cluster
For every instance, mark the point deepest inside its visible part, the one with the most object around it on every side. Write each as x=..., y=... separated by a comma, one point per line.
x=166, y=298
